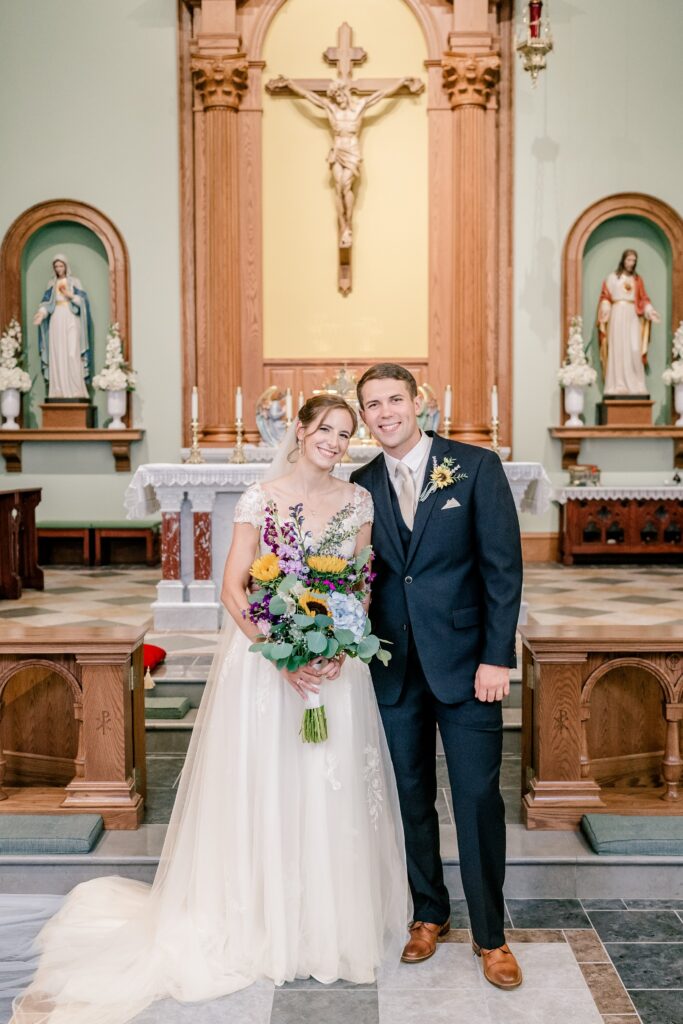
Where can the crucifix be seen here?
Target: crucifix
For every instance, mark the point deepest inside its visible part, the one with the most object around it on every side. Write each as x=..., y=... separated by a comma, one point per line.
x=345, y=101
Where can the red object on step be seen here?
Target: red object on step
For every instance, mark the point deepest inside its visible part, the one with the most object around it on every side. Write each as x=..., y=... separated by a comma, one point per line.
x=153, y=656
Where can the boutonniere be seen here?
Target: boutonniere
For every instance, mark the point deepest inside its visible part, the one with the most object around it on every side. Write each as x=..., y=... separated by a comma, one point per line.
x=444, y=474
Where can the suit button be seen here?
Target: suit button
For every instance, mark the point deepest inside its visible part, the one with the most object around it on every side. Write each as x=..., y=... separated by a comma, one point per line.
x=408, y=579
x=405, y=626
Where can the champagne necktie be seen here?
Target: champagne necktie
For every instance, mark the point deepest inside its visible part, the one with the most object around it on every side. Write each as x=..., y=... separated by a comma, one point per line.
x=406, y=494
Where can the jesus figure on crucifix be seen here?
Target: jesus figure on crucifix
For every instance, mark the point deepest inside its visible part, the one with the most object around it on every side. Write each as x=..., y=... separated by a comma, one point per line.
x=345, y=112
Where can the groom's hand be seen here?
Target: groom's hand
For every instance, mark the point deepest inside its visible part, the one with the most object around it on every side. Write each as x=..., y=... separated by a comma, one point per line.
x=492, y=682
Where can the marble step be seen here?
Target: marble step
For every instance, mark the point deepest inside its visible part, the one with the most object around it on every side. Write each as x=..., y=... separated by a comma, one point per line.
x=540, y=865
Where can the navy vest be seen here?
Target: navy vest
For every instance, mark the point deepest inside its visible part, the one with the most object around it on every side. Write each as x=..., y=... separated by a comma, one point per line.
x=404, y=532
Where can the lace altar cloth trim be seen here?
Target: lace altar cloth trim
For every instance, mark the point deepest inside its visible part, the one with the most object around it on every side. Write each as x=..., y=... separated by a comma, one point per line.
x=529, y=482
x=604, y=493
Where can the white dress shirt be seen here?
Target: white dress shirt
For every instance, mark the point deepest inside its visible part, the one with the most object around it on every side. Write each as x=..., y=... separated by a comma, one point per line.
x=416, y=461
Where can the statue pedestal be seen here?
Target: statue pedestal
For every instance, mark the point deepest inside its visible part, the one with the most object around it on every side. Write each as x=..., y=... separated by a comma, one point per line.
x=626, y=412
x=66, y=414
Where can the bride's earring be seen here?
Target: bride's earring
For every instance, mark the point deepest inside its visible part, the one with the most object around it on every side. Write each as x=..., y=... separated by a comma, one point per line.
x=300, y=446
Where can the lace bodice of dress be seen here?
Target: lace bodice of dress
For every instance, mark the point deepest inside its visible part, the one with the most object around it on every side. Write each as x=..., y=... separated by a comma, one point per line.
x=339, y=532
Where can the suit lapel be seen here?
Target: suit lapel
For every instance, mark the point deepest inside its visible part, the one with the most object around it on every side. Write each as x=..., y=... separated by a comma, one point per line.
x=383, y=509
x=424, y=508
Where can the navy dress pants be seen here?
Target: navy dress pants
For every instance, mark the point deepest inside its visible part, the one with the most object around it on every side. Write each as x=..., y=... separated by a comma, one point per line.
x=472, y=736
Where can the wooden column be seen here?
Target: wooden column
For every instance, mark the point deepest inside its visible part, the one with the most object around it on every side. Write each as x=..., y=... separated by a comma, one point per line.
x=219, y=74
x=471, y=73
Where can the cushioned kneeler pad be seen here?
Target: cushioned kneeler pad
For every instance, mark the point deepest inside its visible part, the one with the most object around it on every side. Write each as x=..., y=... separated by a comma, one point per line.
x=639, y=835
x=49, y=833
x=166, y=707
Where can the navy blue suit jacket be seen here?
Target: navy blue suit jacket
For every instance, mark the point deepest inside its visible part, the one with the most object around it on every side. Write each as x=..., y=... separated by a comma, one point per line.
x=458, y=587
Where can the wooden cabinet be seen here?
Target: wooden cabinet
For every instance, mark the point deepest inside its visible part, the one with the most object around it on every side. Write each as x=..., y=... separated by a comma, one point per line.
x=19, y=542
x=594, y=526
x=72, y=722
x=601, y=722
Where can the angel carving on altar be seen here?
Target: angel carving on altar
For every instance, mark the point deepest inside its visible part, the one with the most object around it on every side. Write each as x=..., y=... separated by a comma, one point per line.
x=624, y=317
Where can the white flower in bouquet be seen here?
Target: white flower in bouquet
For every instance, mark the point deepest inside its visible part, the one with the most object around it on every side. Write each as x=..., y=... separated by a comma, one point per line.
x=576, y=371
x=674, y=373
x=116, y=374
x=11, y=373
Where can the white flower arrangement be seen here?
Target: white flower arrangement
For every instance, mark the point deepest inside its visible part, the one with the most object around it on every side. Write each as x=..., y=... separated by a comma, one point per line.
x=674, y=373
x=576, y=371
x=11, y=373
x=116, y=374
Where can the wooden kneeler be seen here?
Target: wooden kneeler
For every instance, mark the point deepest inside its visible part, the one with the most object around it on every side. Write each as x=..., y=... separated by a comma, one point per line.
x=72, y=722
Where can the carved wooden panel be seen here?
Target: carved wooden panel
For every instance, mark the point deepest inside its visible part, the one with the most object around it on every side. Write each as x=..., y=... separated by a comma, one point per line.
x=624, y=526
x=309, y=374
x=601, y=722
x=72, y=722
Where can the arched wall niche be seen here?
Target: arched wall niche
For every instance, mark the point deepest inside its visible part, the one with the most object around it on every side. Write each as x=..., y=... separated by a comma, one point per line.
x=72, y=211
x=469, y=72
x=623, y=204
x=50, y=212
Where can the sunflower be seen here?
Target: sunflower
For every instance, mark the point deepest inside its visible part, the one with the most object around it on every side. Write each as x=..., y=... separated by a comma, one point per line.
x=441, y=477
x=314, y=603
x=328, y=564
x=265, y=568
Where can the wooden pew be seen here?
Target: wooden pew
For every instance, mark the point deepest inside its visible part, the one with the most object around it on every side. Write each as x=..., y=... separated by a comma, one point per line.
x=602, y=708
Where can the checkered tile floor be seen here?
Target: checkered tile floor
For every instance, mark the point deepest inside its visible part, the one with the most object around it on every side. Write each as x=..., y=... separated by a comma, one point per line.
x=585, y=962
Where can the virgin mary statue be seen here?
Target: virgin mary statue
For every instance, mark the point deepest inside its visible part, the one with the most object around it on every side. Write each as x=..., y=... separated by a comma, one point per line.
x=64, y=333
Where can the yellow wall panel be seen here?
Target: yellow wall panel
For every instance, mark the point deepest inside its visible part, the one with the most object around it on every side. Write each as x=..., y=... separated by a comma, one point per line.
x=304, y=313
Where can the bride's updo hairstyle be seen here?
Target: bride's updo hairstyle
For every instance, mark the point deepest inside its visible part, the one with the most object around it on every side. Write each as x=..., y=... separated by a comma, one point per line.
x=314, y=411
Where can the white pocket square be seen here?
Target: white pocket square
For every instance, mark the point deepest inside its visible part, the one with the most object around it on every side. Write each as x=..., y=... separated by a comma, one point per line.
x=451, y=503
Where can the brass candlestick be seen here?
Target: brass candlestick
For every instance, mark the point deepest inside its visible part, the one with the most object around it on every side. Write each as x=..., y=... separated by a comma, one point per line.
x=447, y=423
x=238, y=456
x=495, y=427
x=195, y=457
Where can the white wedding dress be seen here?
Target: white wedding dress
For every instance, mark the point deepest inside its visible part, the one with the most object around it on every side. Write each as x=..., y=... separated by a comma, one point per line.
x=282, y=859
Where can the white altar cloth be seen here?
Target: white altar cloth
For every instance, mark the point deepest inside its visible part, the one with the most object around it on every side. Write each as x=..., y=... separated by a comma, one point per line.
x=606, y=492
x=186, y=603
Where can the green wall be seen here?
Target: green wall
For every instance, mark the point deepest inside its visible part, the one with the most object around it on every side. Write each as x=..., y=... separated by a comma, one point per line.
x=604, y=118
x=90, y=113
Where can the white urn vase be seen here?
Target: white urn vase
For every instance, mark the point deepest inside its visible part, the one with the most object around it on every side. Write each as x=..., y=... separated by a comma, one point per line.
x=10, y=406
x=678, y=404
x=116, y=407
x=573, y=404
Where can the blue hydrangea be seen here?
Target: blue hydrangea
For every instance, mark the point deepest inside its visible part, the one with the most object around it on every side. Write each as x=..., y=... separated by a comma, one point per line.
x=347, y=613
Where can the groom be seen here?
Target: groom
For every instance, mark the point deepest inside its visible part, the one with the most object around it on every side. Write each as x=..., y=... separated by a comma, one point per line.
x=447, y=594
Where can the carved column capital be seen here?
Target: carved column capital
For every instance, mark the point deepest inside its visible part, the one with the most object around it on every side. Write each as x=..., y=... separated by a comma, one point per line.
x=470, y=78
x=220, y=81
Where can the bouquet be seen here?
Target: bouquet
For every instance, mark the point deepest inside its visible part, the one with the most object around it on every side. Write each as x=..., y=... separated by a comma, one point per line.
x=309, y=606
x=11, y=373
x=116, y=374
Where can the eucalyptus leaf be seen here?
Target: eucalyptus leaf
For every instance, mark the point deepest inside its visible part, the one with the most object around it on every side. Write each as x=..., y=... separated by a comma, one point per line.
x=323, y=620
x=368, y=647
x=383, y=656
x=287, y=583
x=345, y=637
x=332, y=647
x=367, y=629
x=317, y=642
x=282, y=650
x=277, y=605
x=303, y=621
x=257, y=596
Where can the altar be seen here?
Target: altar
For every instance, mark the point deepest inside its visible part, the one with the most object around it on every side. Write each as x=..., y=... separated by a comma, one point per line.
x=197, y=504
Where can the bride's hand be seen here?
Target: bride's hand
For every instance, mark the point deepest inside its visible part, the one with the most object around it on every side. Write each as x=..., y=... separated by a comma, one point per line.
x=333, y=667
x=303, y=680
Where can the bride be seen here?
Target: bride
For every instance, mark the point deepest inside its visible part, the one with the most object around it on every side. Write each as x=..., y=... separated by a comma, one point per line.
x=282, y=859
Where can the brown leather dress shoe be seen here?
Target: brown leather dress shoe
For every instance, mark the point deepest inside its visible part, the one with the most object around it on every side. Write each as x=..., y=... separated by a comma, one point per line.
x=500, y=966
x=423, y=939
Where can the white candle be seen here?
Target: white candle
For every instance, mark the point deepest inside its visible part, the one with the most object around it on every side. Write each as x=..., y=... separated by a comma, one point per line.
x=494, y=402
x=195, y=404
x=448, y=402
x=302, y=400
x=238, y=404
x=288, y=404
